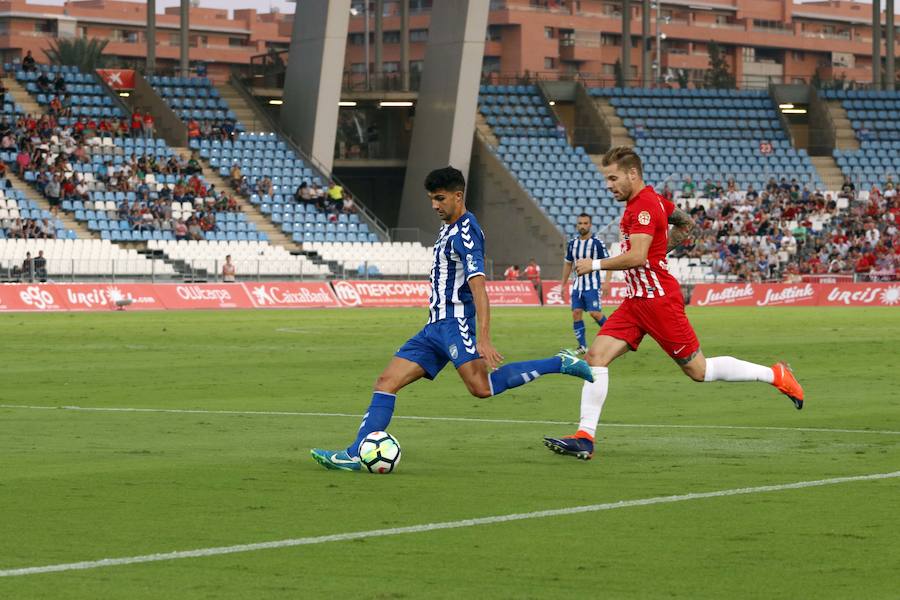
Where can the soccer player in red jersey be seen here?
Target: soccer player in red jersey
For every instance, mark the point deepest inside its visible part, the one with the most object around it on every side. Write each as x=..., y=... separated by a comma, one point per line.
x=654, y=305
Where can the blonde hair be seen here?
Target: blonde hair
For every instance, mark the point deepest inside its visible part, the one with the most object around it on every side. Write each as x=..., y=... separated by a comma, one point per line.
x=624, y=157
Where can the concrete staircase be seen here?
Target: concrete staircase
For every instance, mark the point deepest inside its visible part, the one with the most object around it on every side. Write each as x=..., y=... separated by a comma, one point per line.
x=844, y=136
x=618, y=134
x=246, y=113
x=254, y=215
x=67, y=220
x=829, y=172
x=22, y=97
x=481, y=125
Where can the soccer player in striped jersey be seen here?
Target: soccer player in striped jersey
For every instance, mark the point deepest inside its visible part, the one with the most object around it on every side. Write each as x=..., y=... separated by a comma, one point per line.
x=585, y=294
x=458, y=296
x=654, y=304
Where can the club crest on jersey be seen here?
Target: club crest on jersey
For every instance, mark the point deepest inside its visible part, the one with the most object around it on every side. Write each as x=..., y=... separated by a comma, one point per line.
x=470, y=263
x=644, y=218
x=454, y=353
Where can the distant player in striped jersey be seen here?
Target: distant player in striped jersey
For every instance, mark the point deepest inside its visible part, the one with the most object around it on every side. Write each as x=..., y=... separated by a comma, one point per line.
x=458, y=295
x=654, y=305
x=586, y=288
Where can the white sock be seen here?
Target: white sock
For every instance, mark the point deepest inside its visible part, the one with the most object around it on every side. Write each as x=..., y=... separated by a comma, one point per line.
x=727, y=368
x=593, y=395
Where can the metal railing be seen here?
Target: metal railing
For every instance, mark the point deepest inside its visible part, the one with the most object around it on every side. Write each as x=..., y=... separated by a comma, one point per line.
x=274, y=126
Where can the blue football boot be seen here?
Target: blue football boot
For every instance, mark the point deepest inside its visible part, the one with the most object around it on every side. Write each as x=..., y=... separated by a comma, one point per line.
x=572, y=365
x=337, y=460
x=579, y=447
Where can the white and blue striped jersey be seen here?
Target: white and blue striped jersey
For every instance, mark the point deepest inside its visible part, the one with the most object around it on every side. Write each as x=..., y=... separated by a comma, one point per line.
x=592, y=248
x=458, y=256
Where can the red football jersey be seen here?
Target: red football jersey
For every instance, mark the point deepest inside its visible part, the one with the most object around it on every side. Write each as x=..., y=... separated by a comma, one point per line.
x=648, y=213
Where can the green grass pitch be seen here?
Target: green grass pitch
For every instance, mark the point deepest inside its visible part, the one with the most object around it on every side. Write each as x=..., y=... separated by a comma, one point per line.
x=86, y=485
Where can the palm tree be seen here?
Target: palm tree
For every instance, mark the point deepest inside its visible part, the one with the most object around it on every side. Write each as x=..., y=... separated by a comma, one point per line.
x=86, y=54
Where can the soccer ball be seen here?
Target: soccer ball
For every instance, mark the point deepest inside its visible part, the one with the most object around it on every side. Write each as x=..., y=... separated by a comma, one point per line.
x=379, y=452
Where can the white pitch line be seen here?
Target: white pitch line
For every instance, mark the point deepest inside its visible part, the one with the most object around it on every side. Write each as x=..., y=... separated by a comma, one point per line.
x=457, y=419
x=358, y=535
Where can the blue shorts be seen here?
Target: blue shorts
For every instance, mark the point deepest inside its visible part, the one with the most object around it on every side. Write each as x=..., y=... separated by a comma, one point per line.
x=441, y=342
x=588, y=300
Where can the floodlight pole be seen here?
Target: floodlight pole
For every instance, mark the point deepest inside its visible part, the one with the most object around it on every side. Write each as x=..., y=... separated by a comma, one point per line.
x=658, y=44
x=366, y=17
x=891, y=75
x=150, y=36
x=876, y=44
x=626, y=41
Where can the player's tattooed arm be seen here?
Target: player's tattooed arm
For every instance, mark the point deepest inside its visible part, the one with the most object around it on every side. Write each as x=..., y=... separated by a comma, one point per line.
x=683, y=228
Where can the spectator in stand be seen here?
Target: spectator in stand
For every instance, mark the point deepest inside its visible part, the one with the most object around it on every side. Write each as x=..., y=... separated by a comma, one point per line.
x=349, y=207
x=228, y=270
x=180, y=230
x=848, y=189
x=533, y=274
x=511, y=273
x=28, y=63
x=688, y=187
x=667, y=192
x=16, y=229
x=335, y=192
x=148, y=125
x=264, y=186
x=23, y=161
x=52, y=192
x=236, y=175
x=137, y=124
x=303, y=194
x=59, y=84
x=43, y=83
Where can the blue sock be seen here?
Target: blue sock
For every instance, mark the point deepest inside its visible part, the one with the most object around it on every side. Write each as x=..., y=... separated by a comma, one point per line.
x=578, y=326
x=376, y=418
x=601, y=320
x=520, y=373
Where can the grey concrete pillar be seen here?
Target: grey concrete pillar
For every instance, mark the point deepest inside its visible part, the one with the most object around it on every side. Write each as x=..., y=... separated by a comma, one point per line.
x=311, y=88
x=404, y=43
x=184, y=63
x=645, y=43
x=379, y=44
x=876, y=44
x=151, y=36
x=889, y=38
x=448, y=98
x=626, y=41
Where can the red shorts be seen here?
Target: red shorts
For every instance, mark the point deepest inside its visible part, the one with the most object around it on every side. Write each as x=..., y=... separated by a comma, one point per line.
x=663, y=318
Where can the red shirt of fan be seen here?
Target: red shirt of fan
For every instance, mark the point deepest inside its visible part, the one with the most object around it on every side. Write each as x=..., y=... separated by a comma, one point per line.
x=648, y=213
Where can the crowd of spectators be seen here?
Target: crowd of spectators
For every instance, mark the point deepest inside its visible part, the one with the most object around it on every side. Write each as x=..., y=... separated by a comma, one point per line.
x=51, y=150
x=787, y=231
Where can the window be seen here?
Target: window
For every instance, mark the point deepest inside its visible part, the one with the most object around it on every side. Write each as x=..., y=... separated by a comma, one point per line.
x=199, y=41
x=415, y=66
x=491, y=64
x=4, y=26
x=418, y=35
x=493, y=33
x=609, y=40
x=609, y=69
x=549, y=62
x=44, y=26
x=548, y=33
x=391, y=37
x=390, y=67
x=358, y=68
x=236, y=42
x=357, y=39
x=174, y=39
x=798, y=56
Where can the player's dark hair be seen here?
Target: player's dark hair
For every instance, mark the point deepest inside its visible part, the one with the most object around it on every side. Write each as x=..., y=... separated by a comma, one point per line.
x=625, y=158
x=586, y=216
x=448, y=179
